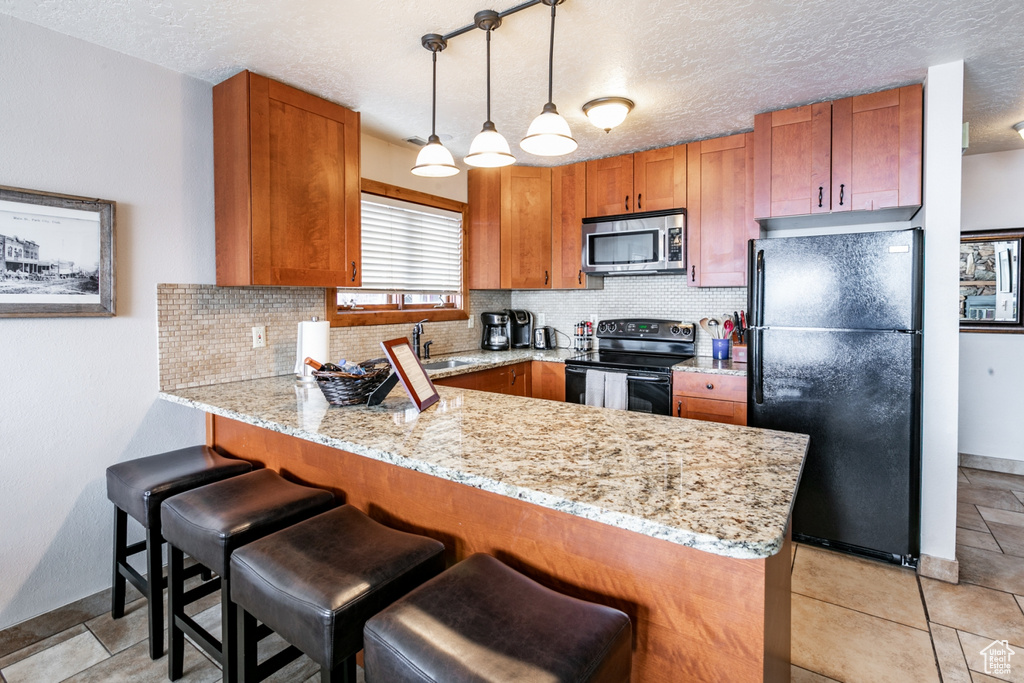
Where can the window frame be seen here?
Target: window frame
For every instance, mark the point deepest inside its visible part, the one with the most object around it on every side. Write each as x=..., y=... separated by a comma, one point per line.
x=339, y=317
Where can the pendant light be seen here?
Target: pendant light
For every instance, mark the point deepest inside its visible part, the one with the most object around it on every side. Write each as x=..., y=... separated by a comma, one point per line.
x=489, y=149
x=549, y=134
x=434, y=161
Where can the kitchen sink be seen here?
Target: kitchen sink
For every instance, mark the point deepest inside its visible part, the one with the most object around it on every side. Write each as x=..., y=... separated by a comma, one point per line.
x=446, y=364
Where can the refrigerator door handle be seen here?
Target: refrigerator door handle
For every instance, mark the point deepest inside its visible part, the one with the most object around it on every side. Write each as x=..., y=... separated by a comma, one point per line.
x=759, y=291
x=756, y=364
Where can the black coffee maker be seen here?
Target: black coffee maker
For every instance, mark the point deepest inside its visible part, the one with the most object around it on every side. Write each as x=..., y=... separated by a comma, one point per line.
x=494, y=331
x=520, y=328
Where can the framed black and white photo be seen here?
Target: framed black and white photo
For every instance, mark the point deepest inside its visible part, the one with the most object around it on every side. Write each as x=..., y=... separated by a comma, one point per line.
x=56, y=255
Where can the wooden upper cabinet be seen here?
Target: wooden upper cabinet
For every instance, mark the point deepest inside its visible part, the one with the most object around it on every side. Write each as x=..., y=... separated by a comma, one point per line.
x=793, y=161
x=609, y=185
x=286, y=180
x=720, y=211
x=484, y=230
x=876, y=150
x=659, y=178
x=644, y=181
x=568, y=206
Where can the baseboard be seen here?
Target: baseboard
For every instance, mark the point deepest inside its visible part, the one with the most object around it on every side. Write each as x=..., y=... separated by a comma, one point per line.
x=986, y=462
x=939, y=568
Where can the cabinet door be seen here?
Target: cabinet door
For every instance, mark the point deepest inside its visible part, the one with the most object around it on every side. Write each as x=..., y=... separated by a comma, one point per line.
x=726, y=412
x=519, y=379
x=526, y=227
x=720, y=210
x=659, y=178
x=793, y=161
x=610, y=186
x=876, y=150
x=286, y=175
x=568, y=205
x=484, y=230
x=548, y=381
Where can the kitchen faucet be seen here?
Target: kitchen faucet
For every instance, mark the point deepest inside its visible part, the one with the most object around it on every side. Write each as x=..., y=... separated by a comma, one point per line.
x=417, y=330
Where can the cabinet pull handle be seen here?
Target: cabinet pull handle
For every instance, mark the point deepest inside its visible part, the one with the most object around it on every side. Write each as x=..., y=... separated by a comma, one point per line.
x=710, y=386
x=513, y=376
x=821, y=195
x=693, y=273
x=627, y=202
x=679, y=408
x=579, y=277
x=353, y=271
x=639, y=202
x=545, y=277
x=841, y=189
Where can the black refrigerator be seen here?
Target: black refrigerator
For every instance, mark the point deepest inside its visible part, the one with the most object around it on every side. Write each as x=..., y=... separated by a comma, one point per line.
x=835, y=353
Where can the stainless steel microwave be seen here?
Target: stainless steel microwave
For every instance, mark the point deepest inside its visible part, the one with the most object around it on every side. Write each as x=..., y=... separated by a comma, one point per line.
x=634, y=244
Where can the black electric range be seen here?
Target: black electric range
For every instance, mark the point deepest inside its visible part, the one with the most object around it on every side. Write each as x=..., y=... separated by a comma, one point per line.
x=641, y=348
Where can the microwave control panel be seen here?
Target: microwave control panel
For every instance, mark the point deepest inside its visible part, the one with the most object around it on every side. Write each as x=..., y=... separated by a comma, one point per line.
x=675, y=245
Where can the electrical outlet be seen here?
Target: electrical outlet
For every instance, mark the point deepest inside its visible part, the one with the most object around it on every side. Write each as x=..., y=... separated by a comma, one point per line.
x=469, y=323
x=542, y=320
x=259, y=336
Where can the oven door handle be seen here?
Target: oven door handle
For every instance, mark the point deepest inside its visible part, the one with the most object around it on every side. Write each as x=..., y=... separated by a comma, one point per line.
x=638, y=378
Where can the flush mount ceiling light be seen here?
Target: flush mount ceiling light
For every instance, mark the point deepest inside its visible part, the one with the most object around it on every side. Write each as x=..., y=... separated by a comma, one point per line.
x=489, y=149
x=549, y=134
x=434, y=161
x=1019, y=128
x=607, y=112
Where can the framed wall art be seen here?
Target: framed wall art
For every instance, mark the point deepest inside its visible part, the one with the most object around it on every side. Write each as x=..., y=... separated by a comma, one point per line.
x=56, y=255
x=990, y=281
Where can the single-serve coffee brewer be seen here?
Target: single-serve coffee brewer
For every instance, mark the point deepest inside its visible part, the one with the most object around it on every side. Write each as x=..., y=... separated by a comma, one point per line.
x=495, y=331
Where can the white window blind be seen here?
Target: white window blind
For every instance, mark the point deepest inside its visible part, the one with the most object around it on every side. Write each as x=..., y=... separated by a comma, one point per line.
x=410, y=247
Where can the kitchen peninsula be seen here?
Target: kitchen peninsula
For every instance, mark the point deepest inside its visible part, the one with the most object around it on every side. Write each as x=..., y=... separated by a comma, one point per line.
x=681, y=524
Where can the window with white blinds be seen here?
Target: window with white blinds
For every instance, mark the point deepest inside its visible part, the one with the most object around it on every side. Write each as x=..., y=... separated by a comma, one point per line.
x=409, y=247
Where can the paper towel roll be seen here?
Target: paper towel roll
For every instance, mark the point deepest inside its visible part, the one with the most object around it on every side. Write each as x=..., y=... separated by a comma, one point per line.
x=313, y=342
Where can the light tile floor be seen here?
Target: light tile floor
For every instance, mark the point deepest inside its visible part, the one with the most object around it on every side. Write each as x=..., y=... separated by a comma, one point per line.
x=853, y=620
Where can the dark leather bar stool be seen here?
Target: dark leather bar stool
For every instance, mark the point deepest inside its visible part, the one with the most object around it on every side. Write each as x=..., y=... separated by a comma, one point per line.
x=317, y=582
x=209, y=523
x=482, y=621
x=137, y=488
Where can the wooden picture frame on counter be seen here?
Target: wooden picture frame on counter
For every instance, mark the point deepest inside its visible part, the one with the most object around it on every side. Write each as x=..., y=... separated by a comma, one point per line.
x=410, y=371
x=56, y=255
x=990, y=281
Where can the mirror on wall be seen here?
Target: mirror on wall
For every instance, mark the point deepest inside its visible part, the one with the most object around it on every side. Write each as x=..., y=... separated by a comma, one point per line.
x=990, y=281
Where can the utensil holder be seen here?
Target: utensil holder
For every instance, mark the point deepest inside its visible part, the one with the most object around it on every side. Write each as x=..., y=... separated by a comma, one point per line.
x=720, y=348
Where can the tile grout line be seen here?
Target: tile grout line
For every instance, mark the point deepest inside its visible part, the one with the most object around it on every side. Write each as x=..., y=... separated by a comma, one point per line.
x=867, y=614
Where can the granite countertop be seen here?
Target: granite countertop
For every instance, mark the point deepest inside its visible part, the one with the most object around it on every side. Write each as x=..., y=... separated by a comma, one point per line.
x=709, y=365
x=479, y=359
x=718, y=488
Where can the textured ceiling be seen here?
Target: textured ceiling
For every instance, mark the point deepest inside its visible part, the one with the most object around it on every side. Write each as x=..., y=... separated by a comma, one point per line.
x=695, y=69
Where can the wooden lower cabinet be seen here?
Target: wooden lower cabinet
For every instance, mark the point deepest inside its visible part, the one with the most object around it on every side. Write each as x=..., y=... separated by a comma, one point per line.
x=548, y=380
x=710, y=397
x=509, y=379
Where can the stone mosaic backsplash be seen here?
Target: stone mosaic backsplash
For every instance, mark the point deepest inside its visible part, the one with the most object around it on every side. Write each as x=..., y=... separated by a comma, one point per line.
x=205, y=332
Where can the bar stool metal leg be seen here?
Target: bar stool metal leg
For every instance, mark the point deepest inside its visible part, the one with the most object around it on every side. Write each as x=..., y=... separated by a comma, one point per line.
x=155, y=592
x=175, y=598
x=120, y=557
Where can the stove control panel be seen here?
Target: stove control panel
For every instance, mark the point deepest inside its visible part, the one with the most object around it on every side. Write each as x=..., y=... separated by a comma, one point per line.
x=643, y=328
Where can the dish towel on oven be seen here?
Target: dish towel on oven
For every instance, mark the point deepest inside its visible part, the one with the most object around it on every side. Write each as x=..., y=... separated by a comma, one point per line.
x=595, y=388
x=616, y=391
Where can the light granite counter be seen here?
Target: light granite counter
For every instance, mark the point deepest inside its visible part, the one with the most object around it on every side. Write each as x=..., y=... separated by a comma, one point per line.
x=485, y=360
x=718, y=488
x=708, y=365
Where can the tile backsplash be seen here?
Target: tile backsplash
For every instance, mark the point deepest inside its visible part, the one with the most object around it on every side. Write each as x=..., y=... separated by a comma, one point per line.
x=205, y=332
x=634, y=296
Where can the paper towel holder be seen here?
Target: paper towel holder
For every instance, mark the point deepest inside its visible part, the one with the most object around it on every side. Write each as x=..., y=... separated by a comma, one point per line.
x=303, y=372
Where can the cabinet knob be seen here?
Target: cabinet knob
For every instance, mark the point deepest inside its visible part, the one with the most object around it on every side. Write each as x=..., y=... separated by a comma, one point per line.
x=353, y=271
x=842, y=188
x=579, y=278
x=710, y=386
x=821, y=195
x=640, y=202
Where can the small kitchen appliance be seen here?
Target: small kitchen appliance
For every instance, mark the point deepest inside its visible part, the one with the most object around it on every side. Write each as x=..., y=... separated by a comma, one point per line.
x=635, y=244
x=642, y=349
x=520, y=328
x=494, y=331
x=544, y=338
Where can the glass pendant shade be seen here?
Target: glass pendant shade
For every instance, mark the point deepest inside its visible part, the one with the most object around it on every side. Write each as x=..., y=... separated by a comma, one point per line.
x=489, y=149
x=549, y=135
x=607, y=112
x=434, y=160
x=1019, y=127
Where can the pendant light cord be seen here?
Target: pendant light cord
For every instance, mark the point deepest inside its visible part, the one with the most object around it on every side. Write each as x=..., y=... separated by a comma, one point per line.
x=433, y=100
x=551, y=53
x=488, y=75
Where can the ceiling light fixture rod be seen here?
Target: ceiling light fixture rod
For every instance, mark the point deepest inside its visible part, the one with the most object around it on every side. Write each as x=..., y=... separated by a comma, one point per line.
x=501, y=15
x=551, y=53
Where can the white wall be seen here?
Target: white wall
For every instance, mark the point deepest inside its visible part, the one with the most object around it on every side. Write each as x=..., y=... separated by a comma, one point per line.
x=80, y=394
x=992, y=365
x=390, y=163
x=943, y=106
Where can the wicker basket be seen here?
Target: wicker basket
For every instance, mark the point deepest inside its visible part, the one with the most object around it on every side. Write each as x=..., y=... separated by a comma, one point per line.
x=344, y=389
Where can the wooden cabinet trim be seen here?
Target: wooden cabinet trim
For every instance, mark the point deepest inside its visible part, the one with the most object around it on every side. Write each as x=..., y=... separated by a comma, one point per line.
x=911, y=143
x=785, y=117
x=568, y=207
x=232, y=178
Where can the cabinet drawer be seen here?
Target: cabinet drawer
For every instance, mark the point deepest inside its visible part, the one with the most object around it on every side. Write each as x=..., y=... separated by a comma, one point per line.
x=728, y=412
x=718, y=387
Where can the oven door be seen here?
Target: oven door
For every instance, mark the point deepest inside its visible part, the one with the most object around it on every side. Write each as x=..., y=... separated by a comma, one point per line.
x=648, y=392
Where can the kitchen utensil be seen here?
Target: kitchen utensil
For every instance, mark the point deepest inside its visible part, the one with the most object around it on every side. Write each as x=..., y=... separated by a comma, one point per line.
x=704, y=325
x=714, y=327
x=727, y=328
